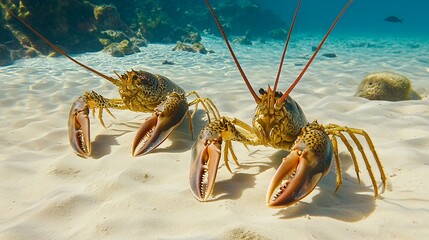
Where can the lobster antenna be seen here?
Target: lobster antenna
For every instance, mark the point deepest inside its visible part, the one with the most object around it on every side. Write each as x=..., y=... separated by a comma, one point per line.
x=255, y=96
x=114, y=81
x=286, y=45
x=286, y=94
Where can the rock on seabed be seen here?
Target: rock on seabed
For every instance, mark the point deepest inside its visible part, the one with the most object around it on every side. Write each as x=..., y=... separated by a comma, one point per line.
x=386, y=86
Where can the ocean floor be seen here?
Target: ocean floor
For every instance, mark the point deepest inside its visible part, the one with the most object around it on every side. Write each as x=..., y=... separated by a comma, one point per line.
x=47, y=192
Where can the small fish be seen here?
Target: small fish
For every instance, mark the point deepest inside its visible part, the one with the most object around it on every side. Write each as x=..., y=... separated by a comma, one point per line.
x=393, y=19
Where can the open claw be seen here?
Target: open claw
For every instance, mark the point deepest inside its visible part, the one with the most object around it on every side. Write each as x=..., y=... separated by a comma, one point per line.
x=204, y=165
x=167, y=117
x=78, y=125
x=206, y=153
x=205, y=159
x=300, y=171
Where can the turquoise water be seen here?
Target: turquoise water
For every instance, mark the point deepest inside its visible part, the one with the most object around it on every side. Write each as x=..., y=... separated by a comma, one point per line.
x=363, y=18
x=49, y=192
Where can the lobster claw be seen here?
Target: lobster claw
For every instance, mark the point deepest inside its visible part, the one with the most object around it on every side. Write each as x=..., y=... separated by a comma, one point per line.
x=300, y=171
x=206, y=154
x=167, y=116
x=78, y=125
x=205, y=161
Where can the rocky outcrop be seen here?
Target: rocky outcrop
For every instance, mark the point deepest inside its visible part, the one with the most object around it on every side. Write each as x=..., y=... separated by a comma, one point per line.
x=195, y=48
x=80, y=26
x=121, y=49
x=243, y=40
x=386, y=86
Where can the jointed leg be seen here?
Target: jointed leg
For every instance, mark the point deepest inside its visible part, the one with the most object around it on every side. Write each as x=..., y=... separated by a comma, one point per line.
x=208, y=107
x=371, y=146
x=352, y=132
x=245, y=130
x=207, y=103
x=352, y=153
x=337, y=163
x=228, y=147
x=95, y=100
x=191, y=126
x=337, y=131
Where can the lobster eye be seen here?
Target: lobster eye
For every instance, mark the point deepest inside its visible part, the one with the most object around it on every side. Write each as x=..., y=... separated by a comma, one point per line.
x=262, y=91
x=134, y=77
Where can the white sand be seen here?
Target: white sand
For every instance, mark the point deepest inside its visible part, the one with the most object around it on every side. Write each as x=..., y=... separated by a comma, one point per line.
x=47, y=192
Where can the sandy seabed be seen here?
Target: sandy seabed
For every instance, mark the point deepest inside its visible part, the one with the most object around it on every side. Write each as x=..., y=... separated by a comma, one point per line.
x=47, y=192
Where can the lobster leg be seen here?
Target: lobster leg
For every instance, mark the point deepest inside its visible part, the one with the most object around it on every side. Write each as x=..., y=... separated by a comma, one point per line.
x=78, y=124
x=337, y=130
x=207, y=104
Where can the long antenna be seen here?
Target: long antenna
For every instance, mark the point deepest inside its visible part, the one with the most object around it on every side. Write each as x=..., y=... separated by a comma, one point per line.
x=114, y=81
x=286, y=94
x=286, y=45
x=255, y=96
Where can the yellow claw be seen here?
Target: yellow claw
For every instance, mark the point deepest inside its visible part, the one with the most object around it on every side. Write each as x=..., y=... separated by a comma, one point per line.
x=78, y=125
x=167, y=116
x=300, y=172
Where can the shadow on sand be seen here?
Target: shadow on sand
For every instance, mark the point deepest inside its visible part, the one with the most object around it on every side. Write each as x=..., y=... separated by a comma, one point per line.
x=181, y=139
x=353, y=201
x=234, y=187
x=102, y=144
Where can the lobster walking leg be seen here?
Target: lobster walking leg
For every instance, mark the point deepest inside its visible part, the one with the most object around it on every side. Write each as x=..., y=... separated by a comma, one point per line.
x=337, y=130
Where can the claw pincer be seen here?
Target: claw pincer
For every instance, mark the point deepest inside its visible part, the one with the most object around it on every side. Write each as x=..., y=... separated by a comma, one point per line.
x=167, y=116
x=206, y=154
x=299, y=173
x=78, y=124
x=205, y=161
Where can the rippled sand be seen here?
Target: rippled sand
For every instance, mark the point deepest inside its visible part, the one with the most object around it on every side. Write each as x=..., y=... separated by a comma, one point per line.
x=47, y=192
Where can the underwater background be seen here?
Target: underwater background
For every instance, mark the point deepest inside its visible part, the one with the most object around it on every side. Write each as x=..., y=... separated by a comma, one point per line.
x=364, y=17
x=87, y=26
x=48, y=192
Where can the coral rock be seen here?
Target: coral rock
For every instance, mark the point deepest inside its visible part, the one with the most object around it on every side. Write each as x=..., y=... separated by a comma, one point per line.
x=139, y=41
x=243, y=40
x=386, y=86
x=121, y=49
x=115, y=36
x=107, y=18
x=196, y=47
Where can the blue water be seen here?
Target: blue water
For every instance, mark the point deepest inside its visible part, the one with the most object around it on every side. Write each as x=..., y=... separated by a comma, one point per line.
x=363, y=18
